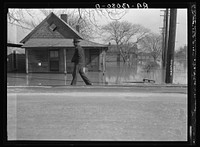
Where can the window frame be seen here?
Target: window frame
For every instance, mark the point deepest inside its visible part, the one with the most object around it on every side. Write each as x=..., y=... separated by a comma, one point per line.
x=55, y=54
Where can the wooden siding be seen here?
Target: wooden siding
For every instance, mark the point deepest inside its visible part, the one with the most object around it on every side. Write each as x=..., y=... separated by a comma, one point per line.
x=39, y=60
x=94, y=60
x=45, y=32
x=70, y=65
x=36, y=56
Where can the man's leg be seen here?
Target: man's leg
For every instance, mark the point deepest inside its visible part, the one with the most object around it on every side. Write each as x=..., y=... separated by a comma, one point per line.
x=74, y=74
x=83, y=76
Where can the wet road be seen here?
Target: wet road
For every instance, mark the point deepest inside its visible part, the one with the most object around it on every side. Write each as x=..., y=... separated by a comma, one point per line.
x=112, y=114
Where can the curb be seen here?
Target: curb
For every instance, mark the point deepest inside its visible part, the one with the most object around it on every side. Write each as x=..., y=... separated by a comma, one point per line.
x=101, y=86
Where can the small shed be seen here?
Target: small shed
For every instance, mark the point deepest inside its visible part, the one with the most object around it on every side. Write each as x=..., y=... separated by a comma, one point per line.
x=49, y=48
x=15, y=58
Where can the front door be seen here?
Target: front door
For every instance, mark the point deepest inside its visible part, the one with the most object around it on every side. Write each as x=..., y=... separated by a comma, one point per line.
x=54, y=60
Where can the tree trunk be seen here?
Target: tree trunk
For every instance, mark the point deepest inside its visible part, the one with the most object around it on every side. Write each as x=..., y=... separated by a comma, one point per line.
x=122, y=55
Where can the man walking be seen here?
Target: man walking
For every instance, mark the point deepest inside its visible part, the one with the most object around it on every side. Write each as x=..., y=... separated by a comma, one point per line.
x=79, y=64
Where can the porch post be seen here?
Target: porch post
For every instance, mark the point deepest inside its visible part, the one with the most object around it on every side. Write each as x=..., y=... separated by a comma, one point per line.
x=26, y=52
x=100, y=60
x=65, y=61
x=104, y=61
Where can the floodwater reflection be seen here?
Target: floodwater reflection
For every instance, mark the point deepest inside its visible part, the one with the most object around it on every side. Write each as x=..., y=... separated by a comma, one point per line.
x=115, y=74
x=123, y=73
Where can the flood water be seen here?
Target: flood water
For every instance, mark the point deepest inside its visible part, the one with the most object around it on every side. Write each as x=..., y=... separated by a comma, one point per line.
x=124, y=73
x=116, y=73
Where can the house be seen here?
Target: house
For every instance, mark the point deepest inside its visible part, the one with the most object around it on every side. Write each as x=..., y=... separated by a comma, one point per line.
x=15, y=53
x=49, y=47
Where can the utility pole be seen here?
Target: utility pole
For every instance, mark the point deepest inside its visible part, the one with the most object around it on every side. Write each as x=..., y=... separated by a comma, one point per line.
x=165, y=35
x=171, y=46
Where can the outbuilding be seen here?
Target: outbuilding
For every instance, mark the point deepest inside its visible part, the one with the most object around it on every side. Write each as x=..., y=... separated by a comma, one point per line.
x=49, y=48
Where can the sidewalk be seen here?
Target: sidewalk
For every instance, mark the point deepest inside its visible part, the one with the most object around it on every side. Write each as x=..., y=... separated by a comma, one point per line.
x=102, y=89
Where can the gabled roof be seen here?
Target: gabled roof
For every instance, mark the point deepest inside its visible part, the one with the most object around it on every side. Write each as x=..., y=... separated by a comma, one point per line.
x=54, y=42
x=75, y=33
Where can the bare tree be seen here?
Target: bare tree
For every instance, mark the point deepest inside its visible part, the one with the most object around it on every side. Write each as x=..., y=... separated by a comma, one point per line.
x=152, y=43
x=181, y=53
x=125, y=35
x=86, y=18
x=21, y=17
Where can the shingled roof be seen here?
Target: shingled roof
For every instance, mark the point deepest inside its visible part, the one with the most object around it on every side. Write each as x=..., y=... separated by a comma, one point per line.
x=31, y=43
x=75, y=34
x=61, y=39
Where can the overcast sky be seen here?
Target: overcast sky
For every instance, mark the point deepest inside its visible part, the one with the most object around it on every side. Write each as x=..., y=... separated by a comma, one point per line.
x=149, y=18
x=153, y=19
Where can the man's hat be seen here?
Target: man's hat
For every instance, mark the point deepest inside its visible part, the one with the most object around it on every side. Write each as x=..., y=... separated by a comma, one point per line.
x=76, y=40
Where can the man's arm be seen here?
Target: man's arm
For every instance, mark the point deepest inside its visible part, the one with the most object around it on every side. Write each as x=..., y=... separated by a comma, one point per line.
x=81, y=55
x=74, y=58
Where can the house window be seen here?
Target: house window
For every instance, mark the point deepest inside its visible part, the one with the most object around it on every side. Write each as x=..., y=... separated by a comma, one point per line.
x=52, y=27
x=53, y=54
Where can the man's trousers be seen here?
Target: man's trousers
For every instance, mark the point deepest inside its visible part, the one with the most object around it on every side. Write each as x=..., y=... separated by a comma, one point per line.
x=78, y=68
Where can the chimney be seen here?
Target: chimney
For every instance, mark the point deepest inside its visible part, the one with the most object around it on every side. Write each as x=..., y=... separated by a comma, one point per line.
x=64, y=17
x=77, y=28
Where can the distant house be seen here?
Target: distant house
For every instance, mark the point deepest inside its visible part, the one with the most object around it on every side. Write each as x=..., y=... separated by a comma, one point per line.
x=49, y=47
x=135, y=55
